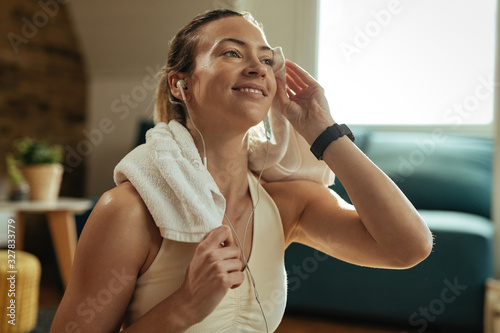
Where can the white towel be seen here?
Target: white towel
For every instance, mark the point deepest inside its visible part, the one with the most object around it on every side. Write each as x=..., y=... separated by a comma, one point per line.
x=289, y=155
x=181, y=194
x=178, y=190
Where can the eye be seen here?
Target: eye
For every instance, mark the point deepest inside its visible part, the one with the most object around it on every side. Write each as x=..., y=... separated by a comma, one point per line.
x=269, y=62
x=232, y=53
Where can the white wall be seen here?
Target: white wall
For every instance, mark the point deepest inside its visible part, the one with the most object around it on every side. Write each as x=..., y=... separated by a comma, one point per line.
x=125, y=42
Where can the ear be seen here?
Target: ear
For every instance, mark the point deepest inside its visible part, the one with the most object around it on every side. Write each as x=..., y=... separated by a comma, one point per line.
x=173, y=78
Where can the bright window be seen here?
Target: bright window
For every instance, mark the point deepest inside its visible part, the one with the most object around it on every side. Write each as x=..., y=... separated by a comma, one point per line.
x=408, y=62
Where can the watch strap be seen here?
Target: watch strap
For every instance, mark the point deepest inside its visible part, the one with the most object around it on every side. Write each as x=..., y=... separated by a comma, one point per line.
x=329, y=135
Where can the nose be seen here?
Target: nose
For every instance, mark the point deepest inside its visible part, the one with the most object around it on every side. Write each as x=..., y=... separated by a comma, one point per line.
x=256, y=68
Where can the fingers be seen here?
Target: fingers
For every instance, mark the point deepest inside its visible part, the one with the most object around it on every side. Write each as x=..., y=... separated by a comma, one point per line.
x=218, y=236
x=236, y=279
x=213, y=269
x=224, y=259
x=299, y=81
x=219, y=245
x=230, y=265
x=293, y=85
x=299, y=73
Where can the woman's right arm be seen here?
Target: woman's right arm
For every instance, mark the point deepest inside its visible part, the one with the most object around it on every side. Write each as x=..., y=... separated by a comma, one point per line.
x=113, y=248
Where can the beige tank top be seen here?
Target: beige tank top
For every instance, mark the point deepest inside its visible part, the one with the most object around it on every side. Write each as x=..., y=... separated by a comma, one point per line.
x=239, y=310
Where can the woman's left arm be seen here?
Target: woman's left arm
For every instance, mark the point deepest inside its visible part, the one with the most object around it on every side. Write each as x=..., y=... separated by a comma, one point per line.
x=383, y=229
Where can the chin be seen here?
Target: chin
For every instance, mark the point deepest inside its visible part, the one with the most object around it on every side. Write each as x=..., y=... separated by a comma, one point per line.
x=250, y=117
x=254, y=114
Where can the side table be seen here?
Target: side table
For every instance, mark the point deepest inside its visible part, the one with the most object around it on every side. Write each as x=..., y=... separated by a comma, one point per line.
x=61, y=219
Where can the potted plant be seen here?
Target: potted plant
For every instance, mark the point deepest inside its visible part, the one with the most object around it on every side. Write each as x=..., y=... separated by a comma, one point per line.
x=41, y=166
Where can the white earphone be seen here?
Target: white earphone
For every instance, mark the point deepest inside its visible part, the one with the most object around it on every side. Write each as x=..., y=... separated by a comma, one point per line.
x=181, y=84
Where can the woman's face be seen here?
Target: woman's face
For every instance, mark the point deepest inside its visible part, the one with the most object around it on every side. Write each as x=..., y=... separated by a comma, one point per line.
x=233, y=82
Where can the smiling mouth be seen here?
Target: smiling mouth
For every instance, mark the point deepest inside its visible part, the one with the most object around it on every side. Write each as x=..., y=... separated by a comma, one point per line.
x=250, y=90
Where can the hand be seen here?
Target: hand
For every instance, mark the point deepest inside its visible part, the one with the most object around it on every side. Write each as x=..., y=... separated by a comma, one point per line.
x=303, y=102
x=212, y=271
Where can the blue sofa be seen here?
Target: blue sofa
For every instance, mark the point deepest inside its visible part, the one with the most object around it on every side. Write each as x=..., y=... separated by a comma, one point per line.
x=448, y=179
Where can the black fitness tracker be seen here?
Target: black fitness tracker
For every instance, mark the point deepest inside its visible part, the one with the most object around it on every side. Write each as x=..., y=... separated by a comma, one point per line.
x=331, y=134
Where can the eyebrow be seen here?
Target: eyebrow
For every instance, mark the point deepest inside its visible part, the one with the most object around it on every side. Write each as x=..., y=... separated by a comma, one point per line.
x=242, y=43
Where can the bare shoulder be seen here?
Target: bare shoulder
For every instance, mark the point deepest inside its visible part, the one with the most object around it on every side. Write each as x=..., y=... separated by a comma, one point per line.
x=123, y=196
x=117, y=242
x=122, y=211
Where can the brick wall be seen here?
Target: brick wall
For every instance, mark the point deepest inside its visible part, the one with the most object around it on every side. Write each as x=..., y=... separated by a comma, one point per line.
x=42, y=81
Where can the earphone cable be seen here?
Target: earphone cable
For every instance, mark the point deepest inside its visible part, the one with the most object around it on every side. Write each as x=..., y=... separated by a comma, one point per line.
x=258, y=185
x=254, y=206
x=196, y=128
x=257, y=297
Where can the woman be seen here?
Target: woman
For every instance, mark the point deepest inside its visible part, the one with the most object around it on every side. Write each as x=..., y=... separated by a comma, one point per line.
x=126, y=273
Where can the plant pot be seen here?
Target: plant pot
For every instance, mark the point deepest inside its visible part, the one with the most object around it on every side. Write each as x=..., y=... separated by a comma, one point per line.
x=44, y=181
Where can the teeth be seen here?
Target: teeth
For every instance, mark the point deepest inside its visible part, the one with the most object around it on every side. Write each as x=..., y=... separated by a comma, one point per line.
x=255, y=91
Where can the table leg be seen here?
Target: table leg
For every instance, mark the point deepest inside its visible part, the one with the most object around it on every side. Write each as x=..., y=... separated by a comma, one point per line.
x=20, y=227
x=63, y=231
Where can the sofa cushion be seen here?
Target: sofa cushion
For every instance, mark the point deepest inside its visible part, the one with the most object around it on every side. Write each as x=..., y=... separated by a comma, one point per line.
x=441, y=172
x=462, y=256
